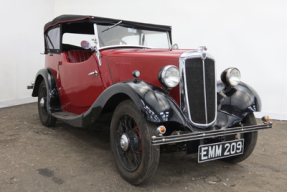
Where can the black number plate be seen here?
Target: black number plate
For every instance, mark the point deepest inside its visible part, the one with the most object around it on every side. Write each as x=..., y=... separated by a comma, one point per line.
x=220, y=150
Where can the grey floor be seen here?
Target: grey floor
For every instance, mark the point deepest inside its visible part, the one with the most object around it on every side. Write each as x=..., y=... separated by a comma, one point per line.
x=63, y=158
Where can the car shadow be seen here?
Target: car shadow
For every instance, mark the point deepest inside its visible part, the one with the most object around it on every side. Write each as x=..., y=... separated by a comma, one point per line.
x=96, y=135
x=173, y=167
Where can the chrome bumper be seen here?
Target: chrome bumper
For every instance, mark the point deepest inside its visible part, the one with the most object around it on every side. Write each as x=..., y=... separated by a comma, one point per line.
x=160, y=140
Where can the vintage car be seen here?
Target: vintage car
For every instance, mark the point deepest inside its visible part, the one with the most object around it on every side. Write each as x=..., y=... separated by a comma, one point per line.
x=153, y=94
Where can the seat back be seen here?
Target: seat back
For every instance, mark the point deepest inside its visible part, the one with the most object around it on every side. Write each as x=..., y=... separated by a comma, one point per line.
x=76, y=56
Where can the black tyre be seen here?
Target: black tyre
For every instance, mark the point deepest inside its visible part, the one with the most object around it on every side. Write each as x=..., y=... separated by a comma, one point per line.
x=136, y=158
x=46, y=119
x=250, y=140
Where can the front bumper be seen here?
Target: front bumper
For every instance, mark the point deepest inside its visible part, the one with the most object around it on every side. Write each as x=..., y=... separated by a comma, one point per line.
x=160, y=140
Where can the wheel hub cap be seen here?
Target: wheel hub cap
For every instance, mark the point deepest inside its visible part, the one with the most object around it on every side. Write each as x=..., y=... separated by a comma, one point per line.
x=42, y=102
x=124, y=142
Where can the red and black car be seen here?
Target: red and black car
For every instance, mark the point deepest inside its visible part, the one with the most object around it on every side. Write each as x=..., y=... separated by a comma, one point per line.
x=153, y=93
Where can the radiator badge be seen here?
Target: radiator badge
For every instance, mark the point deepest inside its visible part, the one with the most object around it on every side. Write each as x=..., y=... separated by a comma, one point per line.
x=202, y=50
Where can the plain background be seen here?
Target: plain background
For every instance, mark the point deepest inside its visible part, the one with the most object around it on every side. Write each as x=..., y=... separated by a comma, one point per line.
x=249, y=35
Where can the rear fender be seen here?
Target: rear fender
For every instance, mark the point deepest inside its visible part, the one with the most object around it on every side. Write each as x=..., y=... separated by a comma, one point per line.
x=53, y=98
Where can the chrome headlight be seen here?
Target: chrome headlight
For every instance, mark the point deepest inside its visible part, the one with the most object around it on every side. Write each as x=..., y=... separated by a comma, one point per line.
x=169, y=76
x=231, y=76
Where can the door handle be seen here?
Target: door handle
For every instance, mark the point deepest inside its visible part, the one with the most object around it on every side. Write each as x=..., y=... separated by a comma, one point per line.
x=94, y=73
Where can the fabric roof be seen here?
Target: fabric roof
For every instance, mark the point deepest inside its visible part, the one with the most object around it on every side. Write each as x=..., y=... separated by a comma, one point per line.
x=101, y=20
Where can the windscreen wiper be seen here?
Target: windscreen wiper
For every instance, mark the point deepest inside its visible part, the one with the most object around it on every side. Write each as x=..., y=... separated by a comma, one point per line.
x=112, y=26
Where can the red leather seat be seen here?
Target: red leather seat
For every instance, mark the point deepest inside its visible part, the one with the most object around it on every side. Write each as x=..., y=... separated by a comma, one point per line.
x=76, y=56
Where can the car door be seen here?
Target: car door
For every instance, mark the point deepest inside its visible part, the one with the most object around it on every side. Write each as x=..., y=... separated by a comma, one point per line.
x=81, y=83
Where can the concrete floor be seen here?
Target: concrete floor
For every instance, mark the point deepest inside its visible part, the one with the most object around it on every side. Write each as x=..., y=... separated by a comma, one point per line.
x=63, y=158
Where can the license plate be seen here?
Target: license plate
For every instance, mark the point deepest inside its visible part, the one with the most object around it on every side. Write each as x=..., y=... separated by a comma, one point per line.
x=220, y=150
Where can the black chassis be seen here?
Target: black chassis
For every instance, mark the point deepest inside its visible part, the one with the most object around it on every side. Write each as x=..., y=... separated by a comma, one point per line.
x=157, y=106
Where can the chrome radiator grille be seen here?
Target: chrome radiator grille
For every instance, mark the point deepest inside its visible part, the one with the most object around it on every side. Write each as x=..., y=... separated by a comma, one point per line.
x=198, y=88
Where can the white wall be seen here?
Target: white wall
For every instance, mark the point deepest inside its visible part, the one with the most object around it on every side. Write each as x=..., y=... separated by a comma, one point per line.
x=21, y=41
x=250, y=35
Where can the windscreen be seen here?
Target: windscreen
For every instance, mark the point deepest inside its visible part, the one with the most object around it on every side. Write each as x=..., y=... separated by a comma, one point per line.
x=76, y=39
x=120, y=35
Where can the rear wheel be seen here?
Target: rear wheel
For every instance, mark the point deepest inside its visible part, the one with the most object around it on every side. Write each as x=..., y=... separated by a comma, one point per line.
x=250, y=140
x=136, y=158
x=46, y=119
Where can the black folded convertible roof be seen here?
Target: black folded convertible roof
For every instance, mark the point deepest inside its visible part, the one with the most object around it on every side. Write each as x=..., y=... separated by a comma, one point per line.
x=101, y=20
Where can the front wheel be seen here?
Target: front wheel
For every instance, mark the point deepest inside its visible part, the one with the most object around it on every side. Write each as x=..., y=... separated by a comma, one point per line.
x=135, y=156
x=250, y=140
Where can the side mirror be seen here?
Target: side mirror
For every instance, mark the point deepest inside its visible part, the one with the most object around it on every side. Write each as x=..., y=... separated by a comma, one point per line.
x=175, y=46
x=85, y=44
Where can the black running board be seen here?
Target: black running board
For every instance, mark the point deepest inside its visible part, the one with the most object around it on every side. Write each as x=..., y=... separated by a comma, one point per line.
x=73, y=119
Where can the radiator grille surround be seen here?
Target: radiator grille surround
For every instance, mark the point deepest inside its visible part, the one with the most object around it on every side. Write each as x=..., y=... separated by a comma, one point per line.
x=198, y=88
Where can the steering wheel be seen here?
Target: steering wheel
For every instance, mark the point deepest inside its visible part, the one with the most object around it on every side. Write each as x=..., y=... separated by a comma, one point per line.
x=115, y=42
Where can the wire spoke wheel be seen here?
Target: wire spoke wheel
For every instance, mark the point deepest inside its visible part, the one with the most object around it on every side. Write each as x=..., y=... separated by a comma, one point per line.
x=46, y=118
x=135, y=156
x=43, y=101
x=130, y=158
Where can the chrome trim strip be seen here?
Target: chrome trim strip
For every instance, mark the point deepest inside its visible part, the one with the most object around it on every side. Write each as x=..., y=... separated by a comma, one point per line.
x=184, y=103
x=124, y=46
x=204, y=90
x=206, y=134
